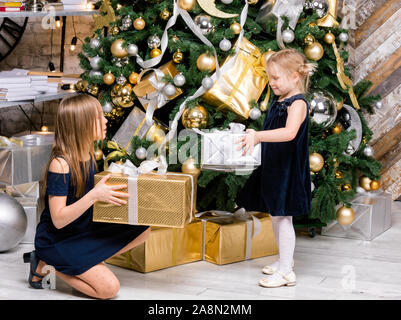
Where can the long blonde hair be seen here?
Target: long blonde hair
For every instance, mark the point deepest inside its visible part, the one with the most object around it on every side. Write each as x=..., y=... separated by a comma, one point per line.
x=291, y=61
x=75, y=133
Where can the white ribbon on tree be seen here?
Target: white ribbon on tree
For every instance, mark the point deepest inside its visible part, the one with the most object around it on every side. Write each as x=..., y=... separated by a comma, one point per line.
x=289, y=8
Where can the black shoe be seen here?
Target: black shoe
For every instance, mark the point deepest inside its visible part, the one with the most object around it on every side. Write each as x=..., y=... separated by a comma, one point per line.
x=34, y=261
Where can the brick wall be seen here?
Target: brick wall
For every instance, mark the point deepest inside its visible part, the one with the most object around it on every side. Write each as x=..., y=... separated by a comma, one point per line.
x=34, y=53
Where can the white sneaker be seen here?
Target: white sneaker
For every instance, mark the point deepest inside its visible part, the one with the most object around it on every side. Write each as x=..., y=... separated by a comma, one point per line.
x=289, y=280
x=271, y=270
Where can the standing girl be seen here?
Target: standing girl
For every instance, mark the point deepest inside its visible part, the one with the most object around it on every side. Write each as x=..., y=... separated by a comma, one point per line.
x=281, y=186
x=66, y=237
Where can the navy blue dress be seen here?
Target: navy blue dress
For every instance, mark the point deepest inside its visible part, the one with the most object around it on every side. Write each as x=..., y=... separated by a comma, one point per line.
x=281, y=186
x=82, y=244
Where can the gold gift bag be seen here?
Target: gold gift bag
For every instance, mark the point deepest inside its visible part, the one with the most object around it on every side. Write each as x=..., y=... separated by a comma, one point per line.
x=165, y=247
x=162, y=200
x=227, y=239
x=243, y=82
x=144, y=88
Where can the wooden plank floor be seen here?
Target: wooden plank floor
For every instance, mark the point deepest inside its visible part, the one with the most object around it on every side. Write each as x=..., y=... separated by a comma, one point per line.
x=326, y=268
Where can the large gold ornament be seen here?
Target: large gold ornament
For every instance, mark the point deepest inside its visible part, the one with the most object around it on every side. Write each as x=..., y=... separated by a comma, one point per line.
x=187, y=4
x=313, y=49
x=329, y=20
x=206, y=62
x=339, y=175
x=106, y=15
x=155, y=52
x=236, y=28
x=117, y=49
x=209, y=7
x=108, y=78
x=178, y=56
x=197, y=117
x=156, y=133
x=189, y=166
x=329, y=38
x=121, y=95
x=345, y=216
x=139, y=23
x=374, y=185
x=98, y=154
x=365, y=182
x=316, y=162
x=133, y=77
x=165, y=14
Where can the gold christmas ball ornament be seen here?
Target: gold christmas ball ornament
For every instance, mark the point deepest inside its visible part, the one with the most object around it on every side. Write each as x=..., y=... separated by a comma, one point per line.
x=316, y=162
x=155, y=52
x=187, y=4
x=44, y=129
x=197, y=117
x=374, y=185
x=235, y=27
x=346, y=187
x=119, y=98
x=364, y=182
x=178, y=56
x=109, y=78
x=309, y=39
x=206, y=62
x=314, y=51
x=252, y=2
x=98, y=154
x=117, y=49
x=133, y=78
x=312, y=24
x=93, y=90
x=337, y=129
x=266, y=56
x=114, y=30
x=126, y=89
x=165, y=14
x=345, y=216
x=339, y=175
x=156, y=133
x=139, y=23
x=189, y=166
x=329, y=38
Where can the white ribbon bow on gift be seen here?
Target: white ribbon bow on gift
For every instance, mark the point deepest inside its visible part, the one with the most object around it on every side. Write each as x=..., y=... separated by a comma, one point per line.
x=240, y=214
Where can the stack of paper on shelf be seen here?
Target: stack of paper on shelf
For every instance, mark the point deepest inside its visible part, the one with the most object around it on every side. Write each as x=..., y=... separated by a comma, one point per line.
x=20, y=84
x=12, y=6
x=74, y=4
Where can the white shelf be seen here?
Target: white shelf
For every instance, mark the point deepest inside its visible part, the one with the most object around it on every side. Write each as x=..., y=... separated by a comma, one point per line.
x=59, y=12
x=44, y=97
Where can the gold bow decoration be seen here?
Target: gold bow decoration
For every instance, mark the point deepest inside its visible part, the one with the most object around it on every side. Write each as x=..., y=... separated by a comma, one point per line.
x=106, y=15
x=118, y=152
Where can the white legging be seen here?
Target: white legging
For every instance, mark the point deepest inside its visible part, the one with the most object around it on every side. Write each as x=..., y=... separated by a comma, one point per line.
x=285, y=237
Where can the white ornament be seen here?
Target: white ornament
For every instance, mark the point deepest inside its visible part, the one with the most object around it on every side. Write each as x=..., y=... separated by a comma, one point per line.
x=132, y=49
x=255, y=113
x=94, y=62
x=107, y=107
x=225, y=44
x=179, y=80
x=343, y=37
x=227, y=1
x=207, y=83
x=141, y=153
x=368, y=151
x=169, y=89
x=312, y=186
x=95, y=43
x=288, y=36
x=379, y=104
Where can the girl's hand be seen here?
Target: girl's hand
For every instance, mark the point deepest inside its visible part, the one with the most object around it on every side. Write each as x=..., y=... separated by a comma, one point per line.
x=107, y=193
x=248, y=141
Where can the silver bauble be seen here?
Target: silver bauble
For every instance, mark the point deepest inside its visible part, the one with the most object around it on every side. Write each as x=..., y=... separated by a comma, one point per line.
x=350, y=149
x=227, y=1
x=255, y=113
x=379, y=104
x=107, y=107
x=126, y=23
x=368, y=151
x=343, y=37
x=121, y=79
x=94, y=62
x=207, y=83
x=323, y=108
x=320, y=6
x=95, y=43
x=349, y=119
x=179, y=80
x=153, y=42
x=225, y=45
x=204, y=24
x=13, y=222
x=132, y=50
x=169, y=90
x=288, y=36
x=141, y=153
x=312, y=186
x=95, y=73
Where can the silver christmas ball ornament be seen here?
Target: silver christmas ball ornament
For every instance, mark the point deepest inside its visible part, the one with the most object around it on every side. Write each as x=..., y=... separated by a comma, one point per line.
x=94, y=62
x=169, y=89
x=107, y=107
x=288, y=36
x=132, y=50
x=225, y=45
x=207, y=83
x=379, y=104
x=204, y=23
x=141, y=153
x=126, y=23
x=227, y=1
x=121, y=79
x=95, y=74
x=255, y=113
x=153, y=41
x=323, y=108
x=179, y=80
x=312, y=187
x=343, y=37
x=13, y=222
x=368, y=151
x=95, y=43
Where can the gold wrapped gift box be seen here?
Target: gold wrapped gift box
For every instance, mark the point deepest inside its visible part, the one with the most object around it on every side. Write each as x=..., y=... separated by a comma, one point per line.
x=226, y=239
x=242, y=83
x=144, y=87
x=163, y=200
x=165, y=247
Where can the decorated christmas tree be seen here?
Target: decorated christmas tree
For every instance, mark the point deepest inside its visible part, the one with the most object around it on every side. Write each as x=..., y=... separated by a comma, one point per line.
x=161, y=66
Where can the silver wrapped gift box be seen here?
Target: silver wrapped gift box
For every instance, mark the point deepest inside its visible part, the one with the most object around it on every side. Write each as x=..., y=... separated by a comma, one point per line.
x=372, y=217
x=219, y=150
x=26, y=163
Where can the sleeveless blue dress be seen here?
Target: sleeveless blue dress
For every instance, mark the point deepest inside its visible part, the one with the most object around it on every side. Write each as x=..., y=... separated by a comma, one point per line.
x=281, y=186
x=82, y=244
